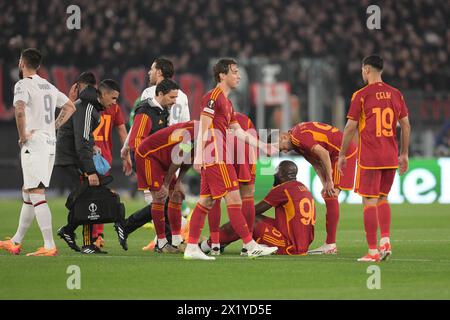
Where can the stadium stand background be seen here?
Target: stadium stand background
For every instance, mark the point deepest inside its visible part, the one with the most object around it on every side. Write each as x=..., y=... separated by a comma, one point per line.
x=120, y=39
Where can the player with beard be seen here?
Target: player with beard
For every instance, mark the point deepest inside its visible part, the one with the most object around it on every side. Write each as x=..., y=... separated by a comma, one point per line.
x=35, y=101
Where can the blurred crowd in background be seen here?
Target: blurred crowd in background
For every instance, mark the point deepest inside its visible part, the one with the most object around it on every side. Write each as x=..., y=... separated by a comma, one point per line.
x=124, y=33
x=414, y=38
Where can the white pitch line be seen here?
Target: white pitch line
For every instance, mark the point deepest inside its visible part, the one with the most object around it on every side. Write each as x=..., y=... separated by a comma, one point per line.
x=227, y=257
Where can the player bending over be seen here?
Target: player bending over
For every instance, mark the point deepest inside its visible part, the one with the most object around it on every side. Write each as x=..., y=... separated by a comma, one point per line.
x=158, y=158
x=319, y=144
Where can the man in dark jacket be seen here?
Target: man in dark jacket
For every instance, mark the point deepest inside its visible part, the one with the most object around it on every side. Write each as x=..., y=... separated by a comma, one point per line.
x=74, y=146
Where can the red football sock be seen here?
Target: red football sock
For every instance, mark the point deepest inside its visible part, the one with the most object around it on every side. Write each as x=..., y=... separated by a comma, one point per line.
x=95, y=230
x=384, y=218
x=332, y=218
x=214, y=222
x=248, y=209
x=371, y=225
x=238, y=222
x=174, y=213
x=157, y=212
x=197, y=222
x=227, y=234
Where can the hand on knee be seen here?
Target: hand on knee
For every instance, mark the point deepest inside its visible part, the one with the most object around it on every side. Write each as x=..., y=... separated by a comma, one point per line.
x=234, y=198
x=206, y=202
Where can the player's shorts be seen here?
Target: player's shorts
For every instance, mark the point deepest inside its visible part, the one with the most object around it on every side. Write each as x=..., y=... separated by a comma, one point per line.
x=346, y=181
x=265, y=232
x=217, y=180
x=150, y=173
x=374, y=182
x=37, y=157
x=246, y=173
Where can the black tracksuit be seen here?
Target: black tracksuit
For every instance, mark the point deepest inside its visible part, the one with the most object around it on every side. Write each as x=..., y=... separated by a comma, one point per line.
x=75, y=143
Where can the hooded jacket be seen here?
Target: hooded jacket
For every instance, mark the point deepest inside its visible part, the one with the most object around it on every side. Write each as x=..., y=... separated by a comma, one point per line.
x=74, y=140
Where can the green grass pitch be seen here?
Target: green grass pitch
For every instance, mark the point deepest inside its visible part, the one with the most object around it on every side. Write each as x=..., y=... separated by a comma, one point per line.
x=418, y=269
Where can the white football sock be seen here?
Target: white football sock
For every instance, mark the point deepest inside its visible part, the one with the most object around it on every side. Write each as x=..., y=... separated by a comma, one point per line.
x=44, y=218
x=176, y=240
x=384, y=240
x=215, y=245
x=162, y=242
x=148, y=197
x=25, y=220
x=191, y=247
x=373, y=252
x=250, y=245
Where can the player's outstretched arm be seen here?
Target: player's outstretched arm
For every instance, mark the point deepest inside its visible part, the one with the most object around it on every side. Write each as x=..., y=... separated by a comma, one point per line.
x=404, y=144
x=241, y=134
x=67, y=110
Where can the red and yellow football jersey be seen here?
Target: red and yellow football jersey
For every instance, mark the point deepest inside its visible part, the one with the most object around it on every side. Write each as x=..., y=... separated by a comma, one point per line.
x=295, y=214
x=305, y=135
x=110, y=117
x=220, y=109
x=142, y=125
x=159, y=146
x=377, y=107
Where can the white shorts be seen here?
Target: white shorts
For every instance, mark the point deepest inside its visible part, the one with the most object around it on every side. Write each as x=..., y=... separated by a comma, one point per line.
x=37, y=158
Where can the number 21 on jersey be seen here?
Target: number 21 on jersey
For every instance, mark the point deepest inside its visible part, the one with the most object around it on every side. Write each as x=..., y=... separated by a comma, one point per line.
x=105, y=122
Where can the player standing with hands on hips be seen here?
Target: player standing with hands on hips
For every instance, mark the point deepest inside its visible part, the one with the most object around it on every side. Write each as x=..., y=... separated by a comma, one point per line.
x=35, y=101
x=375, y=111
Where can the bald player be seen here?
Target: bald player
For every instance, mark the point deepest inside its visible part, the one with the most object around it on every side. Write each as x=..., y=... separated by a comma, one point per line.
x=292, y=229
